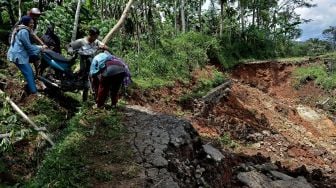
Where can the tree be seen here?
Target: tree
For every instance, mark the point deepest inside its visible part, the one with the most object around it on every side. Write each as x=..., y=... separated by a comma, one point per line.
x=74, y=31
x=183, y=18
x=330, y=35
x=223, y=4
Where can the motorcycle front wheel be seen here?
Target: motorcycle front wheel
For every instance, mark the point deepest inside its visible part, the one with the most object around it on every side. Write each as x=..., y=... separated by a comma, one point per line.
x=85, y=94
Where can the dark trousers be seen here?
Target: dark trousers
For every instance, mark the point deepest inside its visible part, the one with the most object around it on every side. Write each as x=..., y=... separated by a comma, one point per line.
x=103, y=86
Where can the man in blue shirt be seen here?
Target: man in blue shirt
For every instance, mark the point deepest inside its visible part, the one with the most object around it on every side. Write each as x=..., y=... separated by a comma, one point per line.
x=107, y=74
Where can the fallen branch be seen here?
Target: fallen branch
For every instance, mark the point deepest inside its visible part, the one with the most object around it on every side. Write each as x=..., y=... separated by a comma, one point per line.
x=6, y=135
x=25, y=117
x=323, y=103
x=108, y=37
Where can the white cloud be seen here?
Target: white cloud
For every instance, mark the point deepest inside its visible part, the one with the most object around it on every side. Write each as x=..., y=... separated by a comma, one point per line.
x=322, y=17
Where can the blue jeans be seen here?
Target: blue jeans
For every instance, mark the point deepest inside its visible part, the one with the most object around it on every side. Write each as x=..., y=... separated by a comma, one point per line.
x=28, y=74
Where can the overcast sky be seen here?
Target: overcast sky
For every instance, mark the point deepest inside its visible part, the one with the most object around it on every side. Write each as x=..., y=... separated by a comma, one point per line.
x=323, y=16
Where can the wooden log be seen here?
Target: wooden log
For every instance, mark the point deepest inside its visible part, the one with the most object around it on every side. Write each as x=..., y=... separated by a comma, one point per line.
x=122, y=19
x=6, y=135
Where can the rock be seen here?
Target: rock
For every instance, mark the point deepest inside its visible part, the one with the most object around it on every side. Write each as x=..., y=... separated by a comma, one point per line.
x=152, y=172
x=158, y=161
x=317, y=174
x=307, y=113
x=213, y=97
x=280, y=175
x=255, y=137
x=254, y=179
x=302, y=170
x=298, y=182
x=266, y=133
x=213, y=152
x=256, y=145
x=266, y=167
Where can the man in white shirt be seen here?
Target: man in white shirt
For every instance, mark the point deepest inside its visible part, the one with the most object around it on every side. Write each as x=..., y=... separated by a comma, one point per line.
x=87, y=48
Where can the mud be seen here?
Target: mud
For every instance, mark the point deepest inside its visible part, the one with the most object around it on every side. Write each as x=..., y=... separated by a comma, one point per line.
x=265, y=115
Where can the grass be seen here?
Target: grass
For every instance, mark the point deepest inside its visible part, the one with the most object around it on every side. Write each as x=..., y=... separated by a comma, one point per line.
x=173, y=59
x=328, y=55
x=63, y=165
x=76, y=159
x=155, y=82
x=318, y=73
x=226, y=141
x=203, y=86
x=286, y=59
x=292, y=59
x=46, y=112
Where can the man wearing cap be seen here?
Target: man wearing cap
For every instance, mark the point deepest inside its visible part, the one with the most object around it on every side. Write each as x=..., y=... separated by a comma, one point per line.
x=35, y=13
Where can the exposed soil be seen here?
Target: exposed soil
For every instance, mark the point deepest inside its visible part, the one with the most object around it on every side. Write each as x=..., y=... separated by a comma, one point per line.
x=263, y=120
x=265, y=114
x=299, y=138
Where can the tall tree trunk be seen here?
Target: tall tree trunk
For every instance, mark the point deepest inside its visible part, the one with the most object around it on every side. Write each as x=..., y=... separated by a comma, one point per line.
x=176, y=16
x=102, y=9
x=253, y=12
x=138, y=46
x=144, y=16
x=258, y=13
x=59, y=2
x=40, y=5
x=20, y=12
x=200, y=3
x=183, y=19
x=242, y=15
x=75, y=28
x=122, y=19
x=11, y=13
x=221, y=24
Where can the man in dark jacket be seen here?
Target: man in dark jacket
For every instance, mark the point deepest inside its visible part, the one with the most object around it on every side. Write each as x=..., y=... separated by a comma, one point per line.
x=51, y=39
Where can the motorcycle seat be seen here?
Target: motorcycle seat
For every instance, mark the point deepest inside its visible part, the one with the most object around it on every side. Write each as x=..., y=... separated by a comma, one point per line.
x=56, y=56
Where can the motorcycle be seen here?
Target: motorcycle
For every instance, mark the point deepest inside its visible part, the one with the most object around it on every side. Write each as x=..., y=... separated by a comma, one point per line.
x=56, y=73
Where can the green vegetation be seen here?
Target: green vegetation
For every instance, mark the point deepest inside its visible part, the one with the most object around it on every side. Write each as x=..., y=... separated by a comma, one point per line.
x=173, y=59
x=165, y=44
x=44, y=112
x=162, y=44
x=318, y=73
x=203, y=86
x=329, y=55
x=226, y=141
x=73, y=161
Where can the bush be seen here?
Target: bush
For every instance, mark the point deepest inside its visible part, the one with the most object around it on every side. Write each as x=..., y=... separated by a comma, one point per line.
x=317, y=73
x=173, y=59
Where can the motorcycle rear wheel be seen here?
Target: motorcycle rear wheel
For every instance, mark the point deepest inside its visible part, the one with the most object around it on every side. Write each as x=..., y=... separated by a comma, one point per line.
x=85, y=94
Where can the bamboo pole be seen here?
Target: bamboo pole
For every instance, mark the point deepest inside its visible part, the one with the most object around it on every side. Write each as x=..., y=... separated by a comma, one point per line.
x=6, y=135
x=108, y=37
x=25, y=117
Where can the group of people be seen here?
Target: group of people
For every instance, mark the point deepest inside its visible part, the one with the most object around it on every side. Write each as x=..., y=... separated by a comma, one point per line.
x=106, y=72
